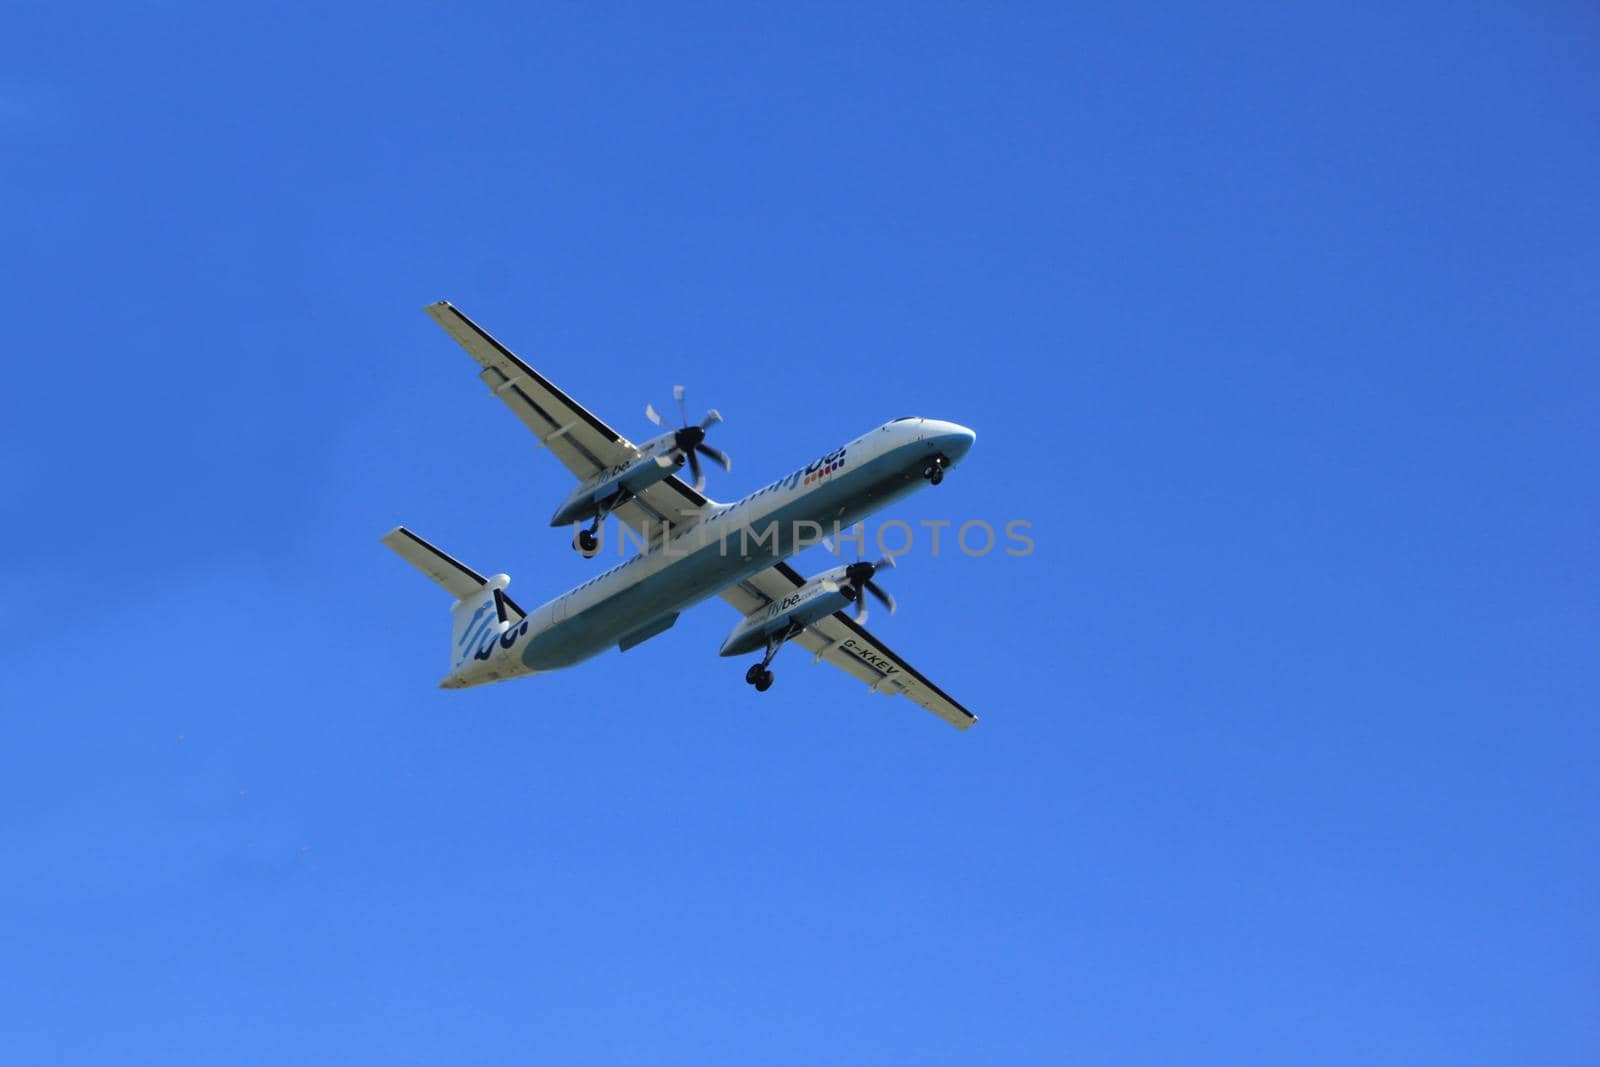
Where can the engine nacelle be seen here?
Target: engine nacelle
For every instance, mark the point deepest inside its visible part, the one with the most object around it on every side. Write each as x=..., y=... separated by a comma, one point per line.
x=816, y=600
x=658, y=462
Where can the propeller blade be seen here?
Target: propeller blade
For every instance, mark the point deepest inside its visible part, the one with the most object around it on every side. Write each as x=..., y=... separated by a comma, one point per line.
x=883, y=597
x=827, y=542
x=715, y=455
x=650, y=413
x=886, y=561
x=712, y=418
x=699, y=477
x=861, y=609
x=677, y=394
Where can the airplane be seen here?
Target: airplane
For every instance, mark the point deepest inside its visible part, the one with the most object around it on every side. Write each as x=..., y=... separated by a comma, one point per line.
x=691, y=547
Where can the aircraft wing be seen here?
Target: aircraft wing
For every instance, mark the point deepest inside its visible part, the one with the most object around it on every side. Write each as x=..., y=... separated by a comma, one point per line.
x=846, y=644
x=582, y=443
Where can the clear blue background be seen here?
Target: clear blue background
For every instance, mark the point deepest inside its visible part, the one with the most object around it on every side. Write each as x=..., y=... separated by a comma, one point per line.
x=1279, y=323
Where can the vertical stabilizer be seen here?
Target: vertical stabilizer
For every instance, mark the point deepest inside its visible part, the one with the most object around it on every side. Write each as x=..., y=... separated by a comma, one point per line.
x=482, y=611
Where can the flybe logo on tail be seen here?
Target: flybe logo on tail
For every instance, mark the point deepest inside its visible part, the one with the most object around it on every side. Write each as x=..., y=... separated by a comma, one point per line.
x=478, y=627
x=478, y=635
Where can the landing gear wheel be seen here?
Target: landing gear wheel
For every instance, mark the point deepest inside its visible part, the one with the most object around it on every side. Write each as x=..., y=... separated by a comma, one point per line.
x=587, y=543
x=934, y=473
x=758, y=675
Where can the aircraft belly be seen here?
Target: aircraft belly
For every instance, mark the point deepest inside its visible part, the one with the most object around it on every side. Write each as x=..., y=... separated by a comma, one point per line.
x=707, y=571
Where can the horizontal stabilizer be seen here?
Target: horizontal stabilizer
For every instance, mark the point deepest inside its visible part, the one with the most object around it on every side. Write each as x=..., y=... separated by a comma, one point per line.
x=455, y=577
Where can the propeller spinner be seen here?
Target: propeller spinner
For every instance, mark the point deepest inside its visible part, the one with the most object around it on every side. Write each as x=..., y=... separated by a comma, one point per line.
x=858, y=579
x=691, y=439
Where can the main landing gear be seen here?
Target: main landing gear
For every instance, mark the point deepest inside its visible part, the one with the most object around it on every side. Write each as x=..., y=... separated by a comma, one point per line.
x=934, y=471
x=758, y=675
x=587, y=543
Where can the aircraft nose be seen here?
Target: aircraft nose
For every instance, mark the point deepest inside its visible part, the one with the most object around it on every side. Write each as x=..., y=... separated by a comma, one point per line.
x=950, y=438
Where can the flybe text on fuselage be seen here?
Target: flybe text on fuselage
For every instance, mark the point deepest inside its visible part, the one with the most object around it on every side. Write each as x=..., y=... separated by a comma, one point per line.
x=811, y=473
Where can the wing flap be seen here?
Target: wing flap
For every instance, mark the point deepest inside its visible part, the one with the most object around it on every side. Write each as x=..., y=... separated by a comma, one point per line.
x=581, y=441
x=846, y=644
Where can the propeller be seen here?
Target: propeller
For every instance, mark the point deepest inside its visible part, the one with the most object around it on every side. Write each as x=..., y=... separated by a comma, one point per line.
x=858, y=577
x=691, y=440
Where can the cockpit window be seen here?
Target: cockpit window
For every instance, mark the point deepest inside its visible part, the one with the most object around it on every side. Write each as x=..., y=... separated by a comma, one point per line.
x=905, y=418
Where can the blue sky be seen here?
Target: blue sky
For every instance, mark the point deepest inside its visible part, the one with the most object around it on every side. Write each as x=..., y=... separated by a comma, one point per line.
x=1278, y=322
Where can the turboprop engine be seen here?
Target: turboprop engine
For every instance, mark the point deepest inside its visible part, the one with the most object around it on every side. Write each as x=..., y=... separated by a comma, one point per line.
x=820, y=597
x=632, y=478
x=653, y=461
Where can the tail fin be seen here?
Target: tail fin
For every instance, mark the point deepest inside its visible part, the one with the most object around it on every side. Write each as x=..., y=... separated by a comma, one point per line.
x=482, y=610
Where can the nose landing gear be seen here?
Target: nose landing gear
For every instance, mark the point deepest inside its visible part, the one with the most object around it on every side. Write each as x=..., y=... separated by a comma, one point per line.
x=934, y=471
